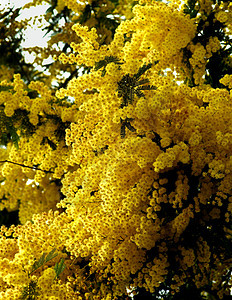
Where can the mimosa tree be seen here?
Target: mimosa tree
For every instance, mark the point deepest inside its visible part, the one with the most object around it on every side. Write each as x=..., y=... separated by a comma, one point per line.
x=116, y=161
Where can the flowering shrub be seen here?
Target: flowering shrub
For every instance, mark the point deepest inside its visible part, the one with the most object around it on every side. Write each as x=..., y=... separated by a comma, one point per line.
x=121, y=170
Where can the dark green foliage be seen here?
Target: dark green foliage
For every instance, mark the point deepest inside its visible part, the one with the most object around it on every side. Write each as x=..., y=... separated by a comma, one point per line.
x=190, y=8
x=129, y=86
x=126, y=124
x=54, y=19
x=30, y=292
x=8, y=132
x=4, y=88
x=59, y=267
x=60, y=131
x=43, y=260
x=50, y=143
x=10, y=126
x=104, y=62
x=142, y=70
x=92, y=9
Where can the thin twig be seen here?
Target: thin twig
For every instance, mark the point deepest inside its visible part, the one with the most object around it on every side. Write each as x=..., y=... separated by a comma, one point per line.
x=18, y=164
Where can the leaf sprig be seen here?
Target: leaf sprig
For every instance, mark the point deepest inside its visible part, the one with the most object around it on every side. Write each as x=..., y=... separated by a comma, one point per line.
x=129, y=86
x=30, y=292
x=43, y=260
x=59, y=267
x=5, y=88
x=126, y=124
x=13, y=127
x=104, y=62
x=189, y=8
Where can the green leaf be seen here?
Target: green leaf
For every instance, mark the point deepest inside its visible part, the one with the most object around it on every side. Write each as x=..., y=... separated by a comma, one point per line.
x=130, y=127
x=104, y=62
x=43, y=260
x=15, y=137
x=143, y=81
x=4, y=88
x=51, y=255
x=50, y=143
x=30, y=292
x=59, y=267
x=13, y=133
x=123, y=131
x=190, y=8
x=39, y=263
x=4, y=139
x=143, y=69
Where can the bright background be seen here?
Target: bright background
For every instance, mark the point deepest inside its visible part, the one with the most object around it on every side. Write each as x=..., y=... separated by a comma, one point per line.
x=34, y=35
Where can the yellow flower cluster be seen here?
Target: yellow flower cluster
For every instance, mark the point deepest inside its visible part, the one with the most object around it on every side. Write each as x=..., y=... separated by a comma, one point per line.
x=140, y=165
x=200, y=56
x=43, y=149
x=227, y=81
x=205, y=7
x=11, y=100
x=166, y=160
x=88, y=50
x=23, y=271
x=60, y=5
x=224, y=16
x=124, y=8
x=114, y=175
x=161, y=34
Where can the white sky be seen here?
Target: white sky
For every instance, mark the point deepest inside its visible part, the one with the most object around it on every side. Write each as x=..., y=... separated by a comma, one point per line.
x=33, y=36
